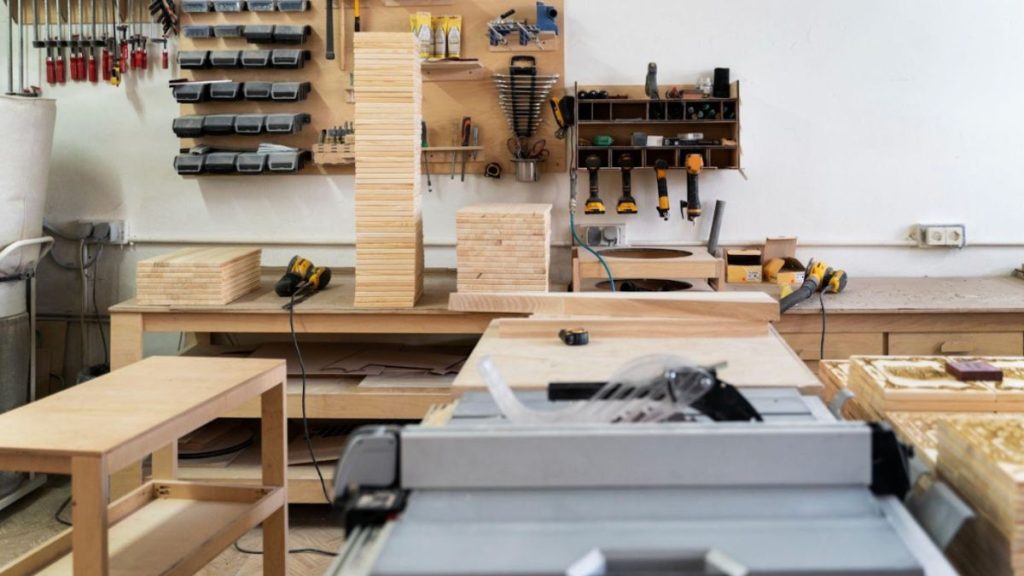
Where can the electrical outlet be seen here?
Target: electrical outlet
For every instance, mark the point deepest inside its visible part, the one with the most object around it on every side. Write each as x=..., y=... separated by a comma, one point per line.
x=603, y=235
x=940, y=235
x=103, y=231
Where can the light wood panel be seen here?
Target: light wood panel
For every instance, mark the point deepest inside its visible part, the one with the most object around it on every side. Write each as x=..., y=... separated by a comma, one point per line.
x=503, y=247
x=389, y=221
x=445, y=102
x=957, y=343
x=738, y=306
x=213, y=276
x=837, y=346
x=533, y=363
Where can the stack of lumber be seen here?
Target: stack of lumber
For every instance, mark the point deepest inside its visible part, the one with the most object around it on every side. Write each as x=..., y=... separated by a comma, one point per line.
x=984, y=462
x=834, y=375
x=198, y=276
x=921, y=429
x=503, y=247
x=922, y=384
x=389, y=222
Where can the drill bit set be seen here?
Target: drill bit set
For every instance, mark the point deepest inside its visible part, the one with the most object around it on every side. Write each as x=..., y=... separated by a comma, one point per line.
x=337, y=134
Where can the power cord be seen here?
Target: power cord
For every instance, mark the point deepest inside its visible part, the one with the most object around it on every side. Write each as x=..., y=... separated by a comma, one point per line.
x=56, y=515
x=239, y=548
x=573, y=183
x=607, y=270
x=305, y=420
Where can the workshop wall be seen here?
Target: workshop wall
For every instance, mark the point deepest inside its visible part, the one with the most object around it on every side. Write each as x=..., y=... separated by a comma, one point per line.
x=859, y=119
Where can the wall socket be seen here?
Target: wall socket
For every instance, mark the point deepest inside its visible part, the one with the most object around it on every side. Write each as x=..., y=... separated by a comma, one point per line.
x=940, y=235
x=603, y=235
x=103, y=231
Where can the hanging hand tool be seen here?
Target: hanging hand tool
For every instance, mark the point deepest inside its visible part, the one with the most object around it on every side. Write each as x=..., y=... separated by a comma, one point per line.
x=651, y=85
x=329, y=51
x=694, y=166
x=563, y=108
x=51, y=69
x=355, y=14
x=661, y=174
x=425, y=143
x=93, y=73
x=83, y=72
x=594, y=203
x=474, y=141
x=467, y=133
x=627, y=204
x=455, y=142
x=58, y=61
x=106, y=61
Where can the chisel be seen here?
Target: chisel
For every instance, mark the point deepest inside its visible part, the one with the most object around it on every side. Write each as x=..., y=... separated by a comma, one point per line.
x=467, y=131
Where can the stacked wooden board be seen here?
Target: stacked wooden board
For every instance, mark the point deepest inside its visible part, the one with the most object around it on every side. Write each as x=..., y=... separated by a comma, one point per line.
x=834, y=374
x=198, y=276
x=984, y=462
x=921, y=429
x=921, y=384
x=389, y=221
x=503, y=247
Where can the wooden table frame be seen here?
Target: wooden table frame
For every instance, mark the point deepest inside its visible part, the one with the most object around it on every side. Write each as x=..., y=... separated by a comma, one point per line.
x=90, y=487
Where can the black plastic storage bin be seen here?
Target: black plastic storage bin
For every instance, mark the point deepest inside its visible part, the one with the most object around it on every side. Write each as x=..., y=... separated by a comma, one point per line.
x=225, y=58
x=289, y=91
x=285, y=161
x=187, y=126
x=291, y=34
x=229, y=5
x=189, y=163
x=191, y=93
x=217, y=124
x=193, y=59
x=258, y=33
x=221, y=162
x=227, y=30
x=286, y=123
x=255, y=58
x=226, y=91
x=251, y=163
x=257, y=90
x=197, y=31
x=194, y=6
x=288, y=58
x=250, y=123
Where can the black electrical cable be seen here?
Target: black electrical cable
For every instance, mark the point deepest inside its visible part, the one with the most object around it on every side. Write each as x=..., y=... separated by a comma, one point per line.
x=291, y=551
x=56, y=515
x=96, y=310
x=305, y=420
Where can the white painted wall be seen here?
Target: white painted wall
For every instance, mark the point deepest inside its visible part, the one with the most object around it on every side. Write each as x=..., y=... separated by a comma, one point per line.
x=859, y=119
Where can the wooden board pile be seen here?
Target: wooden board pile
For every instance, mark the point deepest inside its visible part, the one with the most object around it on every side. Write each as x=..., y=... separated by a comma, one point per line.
x=503, y=247
x=921, y=429
x=834, y=375
x=389, y=222
x=198, y=276
x=921, y=384
x=984, y=462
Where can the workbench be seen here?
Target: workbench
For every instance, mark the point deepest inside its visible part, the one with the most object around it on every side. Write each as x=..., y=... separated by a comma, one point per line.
x=164, y=526
x=911, y=316
x=328, y=312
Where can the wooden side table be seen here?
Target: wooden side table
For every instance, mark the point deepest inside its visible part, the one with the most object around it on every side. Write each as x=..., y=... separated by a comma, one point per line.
x=163, y=527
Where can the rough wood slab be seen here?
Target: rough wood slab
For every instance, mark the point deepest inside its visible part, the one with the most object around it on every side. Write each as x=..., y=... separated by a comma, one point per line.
x=738, y=306
x=923, y=295
x=533, y=363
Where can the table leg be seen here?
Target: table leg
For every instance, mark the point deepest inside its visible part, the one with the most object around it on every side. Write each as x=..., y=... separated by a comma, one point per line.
x=89, y=494
x=126, y=332
x=274, y=457
x=165, y=462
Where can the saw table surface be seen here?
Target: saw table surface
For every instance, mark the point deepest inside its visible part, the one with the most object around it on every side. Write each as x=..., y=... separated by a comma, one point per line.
x=533, y=363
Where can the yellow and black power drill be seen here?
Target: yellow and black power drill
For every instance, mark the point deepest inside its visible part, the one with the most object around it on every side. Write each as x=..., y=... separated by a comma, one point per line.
x=594, y=203
x=819, y=277
x=627, y=204
x=694, y=165
x=301, y=280
x=661, y=174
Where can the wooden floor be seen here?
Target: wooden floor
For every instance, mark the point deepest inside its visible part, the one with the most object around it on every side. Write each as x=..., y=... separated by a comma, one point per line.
x=30, y=522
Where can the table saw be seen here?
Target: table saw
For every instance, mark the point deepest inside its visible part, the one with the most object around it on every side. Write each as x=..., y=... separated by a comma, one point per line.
x=794, y=494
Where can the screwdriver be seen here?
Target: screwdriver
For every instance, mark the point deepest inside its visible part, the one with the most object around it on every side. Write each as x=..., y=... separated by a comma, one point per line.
x=467, y=130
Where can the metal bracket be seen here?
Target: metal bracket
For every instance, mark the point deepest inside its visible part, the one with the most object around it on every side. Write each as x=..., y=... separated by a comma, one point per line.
x=940, y=512
x=838, y=401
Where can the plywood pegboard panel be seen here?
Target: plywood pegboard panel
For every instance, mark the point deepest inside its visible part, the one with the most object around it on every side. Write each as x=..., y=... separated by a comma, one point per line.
x=444, y=103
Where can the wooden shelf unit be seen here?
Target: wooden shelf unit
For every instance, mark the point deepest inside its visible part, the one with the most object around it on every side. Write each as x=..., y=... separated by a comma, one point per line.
x=621, y=117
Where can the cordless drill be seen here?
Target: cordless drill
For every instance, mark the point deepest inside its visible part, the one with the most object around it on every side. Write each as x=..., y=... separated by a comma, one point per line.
x=661, y=173
x=627, y=204
x=694, y=166
x=594, y=203
x=317, y=279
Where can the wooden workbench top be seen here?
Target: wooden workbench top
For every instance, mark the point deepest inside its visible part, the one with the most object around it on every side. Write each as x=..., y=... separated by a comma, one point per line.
x=337, y=298
x=922, y=295
x=114, y=414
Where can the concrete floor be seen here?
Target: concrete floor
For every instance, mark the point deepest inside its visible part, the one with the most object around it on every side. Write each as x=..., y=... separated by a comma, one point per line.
x=30, y=522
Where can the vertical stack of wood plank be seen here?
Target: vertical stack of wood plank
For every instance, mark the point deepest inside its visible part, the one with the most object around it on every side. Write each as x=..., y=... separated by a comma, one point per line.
x=198, y=276
x=503, y=247
x=984, y=462
x=389, y=222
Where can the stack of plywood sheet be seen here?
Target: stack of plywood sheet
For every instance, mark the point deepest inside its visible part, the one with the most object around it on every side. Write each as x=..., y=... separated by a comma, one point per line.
x=921, y=384
x=198, y=276
x=834, y=375
x=921, y=429
x=503, y=247
x=984, y=462
x=389, y=223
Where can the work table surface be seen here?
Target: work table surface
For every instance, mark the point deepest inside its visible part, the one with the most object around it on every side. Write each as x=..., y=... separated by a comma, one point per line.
x=121, y=408
x=922, y=296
